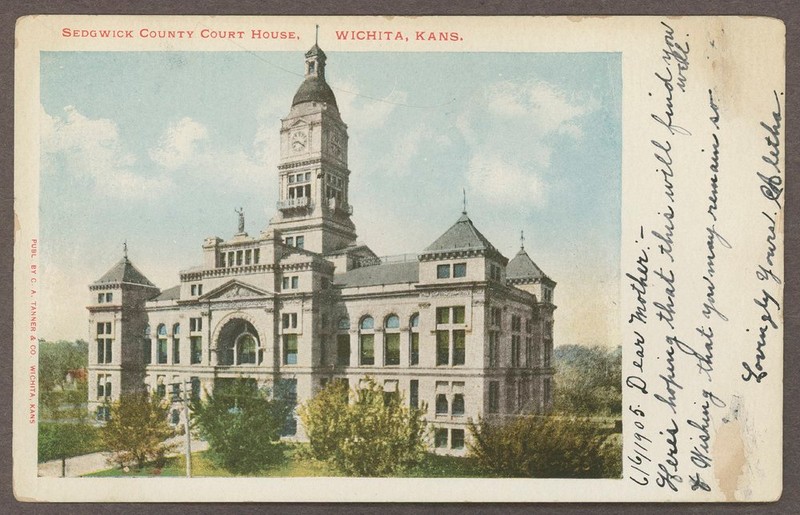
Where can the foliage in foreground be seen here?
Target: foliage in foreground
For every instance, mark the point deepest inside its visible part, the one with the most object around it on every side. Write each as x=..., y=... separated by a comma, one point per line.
x=588, y=380
x=364, y=432
x=61, y=399
x=545, y=447
x=242, y=425
x=61, y=441
x=137, y=429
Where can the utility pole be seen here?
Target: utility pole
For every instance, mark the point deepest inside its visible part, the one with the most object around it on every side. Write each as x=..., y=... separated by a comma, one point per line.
x=187, y=425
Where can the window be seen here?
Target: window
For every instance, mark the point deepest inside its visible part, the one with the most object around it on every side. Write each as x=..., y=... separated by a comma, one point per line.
x=256, y=255
x=547, y=354
x=440, y=438
x=391, y=341
x=458, y=404
x=161, y=388
x=300, y=242
x=295, y=282
x=101, y=297
x=515, y=344
x=548, y=295
x=367, y=349
x=195, y=324
x=290, y=241
x=528, y=352
x=442, y=406
x=246, y=345
x=450, y=341
x=516, y=323
x=196, y=350
x=195, y=387
x=104, y=342
x=176, y=351
x=442, y=347
x=494, y=397
x=456, y=438
x=197, y=290
x=103, y=386
x=443, y=272
x=496, y=317
x=343, y=350
x=494, y=337
x=285, y=283
x=495, y=272
x=343, y=324
x=460, y=270
x=459, y=347
x=103, y=413
x=289, y=320
x=289, y=349
x=248, y=256
x=413, y=357
x=162, y=351
x=413, y=393
x=367, y=341
x=175, y=417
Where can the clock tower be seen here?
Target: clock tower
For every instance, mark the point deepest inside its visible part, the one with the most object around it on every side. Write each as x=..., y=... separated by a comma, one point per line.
x=313, y=199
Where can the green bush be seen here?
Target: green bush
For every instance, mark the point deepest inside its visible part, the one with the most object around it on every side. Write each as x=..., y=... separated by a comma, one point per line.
x=242, y=425
x=60, y=441
x=364, y=432
x=545, y=447
x=137, y=429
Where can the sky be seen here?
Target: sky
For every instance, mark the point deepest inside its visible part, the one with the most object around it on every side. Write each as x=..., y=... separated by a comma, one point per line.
x=159, y=148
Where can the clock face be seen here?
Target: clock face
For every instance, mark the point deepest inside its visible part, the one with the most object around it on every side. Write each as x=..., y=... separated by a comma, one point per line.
x=299, y=140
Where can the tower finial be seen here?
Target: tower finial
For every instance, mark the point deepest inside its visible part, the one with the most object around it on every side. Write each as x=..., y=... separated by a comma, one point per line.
x=464, y=193
x=125, y=249
x=316, y=36
x=522, y=240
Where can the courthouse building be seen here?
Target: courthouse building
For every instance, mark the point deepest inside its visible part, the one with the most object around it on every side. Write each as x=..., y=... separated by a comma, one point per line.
x=458, y=327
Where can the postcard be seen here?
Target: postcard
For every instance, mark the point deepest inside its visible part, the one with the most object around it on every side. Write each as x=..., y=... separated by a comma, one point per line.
x=433, y=259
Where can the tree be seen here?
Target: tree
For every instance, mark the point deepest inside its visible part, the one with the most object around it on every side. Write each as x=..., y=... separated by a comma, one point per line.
x=62, y=441
x=588, y=380
x=60, y=398
x=137, y=430
x=545, y=447
x=364, y=432
x=242, y=425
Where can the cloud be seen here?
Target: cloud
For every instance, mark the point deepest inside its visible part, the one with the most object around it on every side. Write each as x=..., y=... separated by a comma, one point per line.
x=179, y=143
x=502, y=182
x=371, y=113
x=512, y=131
x=81, y=146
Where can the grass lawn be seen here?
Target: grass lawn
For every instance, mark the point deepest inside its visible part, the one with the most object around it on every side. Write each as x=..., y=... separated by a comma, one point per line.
x=432, y=466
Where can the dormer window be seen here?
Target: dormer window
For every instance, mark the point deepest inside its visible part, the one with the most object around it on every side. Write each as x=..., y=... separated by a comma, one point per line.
x=312, y=66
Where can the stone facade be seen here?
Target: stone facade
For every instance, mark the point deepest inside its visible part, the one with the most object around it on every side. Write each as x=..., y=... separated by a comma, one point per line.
x=458, y=328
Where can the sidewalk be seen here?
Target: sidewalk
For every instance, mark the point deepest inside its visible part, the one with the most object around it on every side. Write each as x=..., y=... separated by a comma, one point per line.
x=89, y=463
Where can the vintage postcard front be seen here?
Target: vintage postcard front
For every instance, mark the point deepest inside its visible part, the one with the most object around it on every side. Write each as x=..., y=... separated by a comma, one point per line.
x=398, y=259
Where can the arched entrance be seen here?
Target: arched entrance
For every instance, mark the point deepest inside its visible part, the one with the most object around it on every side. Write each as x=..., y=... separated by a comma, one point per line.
x=238, y=344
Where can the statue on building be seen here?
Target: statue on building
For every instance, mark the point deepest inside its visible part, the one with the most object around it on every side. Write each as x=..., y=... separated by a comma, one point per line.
x=240, y=212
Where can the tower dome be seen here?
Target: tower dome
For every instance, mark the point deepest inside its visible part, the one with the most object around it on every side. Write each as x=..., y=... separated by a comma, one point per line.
x=314, y=88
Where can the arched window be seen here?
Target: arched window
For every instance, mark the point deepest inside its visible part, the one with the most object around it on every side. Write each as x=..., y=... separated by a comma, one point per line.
x=391, y=340
x=246, y=349
x=176, y=344
x=413, y=354
x=343, y=342
x=367, y=341
x=162, y=344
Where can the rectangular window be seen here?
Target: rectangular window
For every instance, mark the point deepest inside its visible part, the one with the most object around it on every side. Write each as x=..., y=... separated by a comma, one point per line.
x=458, y=404
x=289, y=349
x=515, y=350
x=239, y=256
x=195, y=324
x=456, y=438
x=497, y=317
x=458, y=315
x=367, y=349
x=176, y=351
x=442, y=347
x=547, y=355
x=343, y=350
x=414, y=353
x=194, y=290
x=101, y=298
x=443, y=272
x=248, y=255
x=285, y=283
x=494, y=397
x=162, y=351
x=147, y=351
x=108, y=350
x=440, y=438
x=528, y=352
x=460, y=270
x=391, y=350
x=101, y=386
x=101, y=350
x=459, y=347
x=101, y=328
x=231, y=258
x=195, y=388
x=295, y=282
x=197, y=350
x=442, y=315
x=161, y=390
x=222, y=260
x=492, y=349
x=413, y=393
x=289, y=320
x=256, y=255
x=300, y=242
x=290, y=241
x=109, y=297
